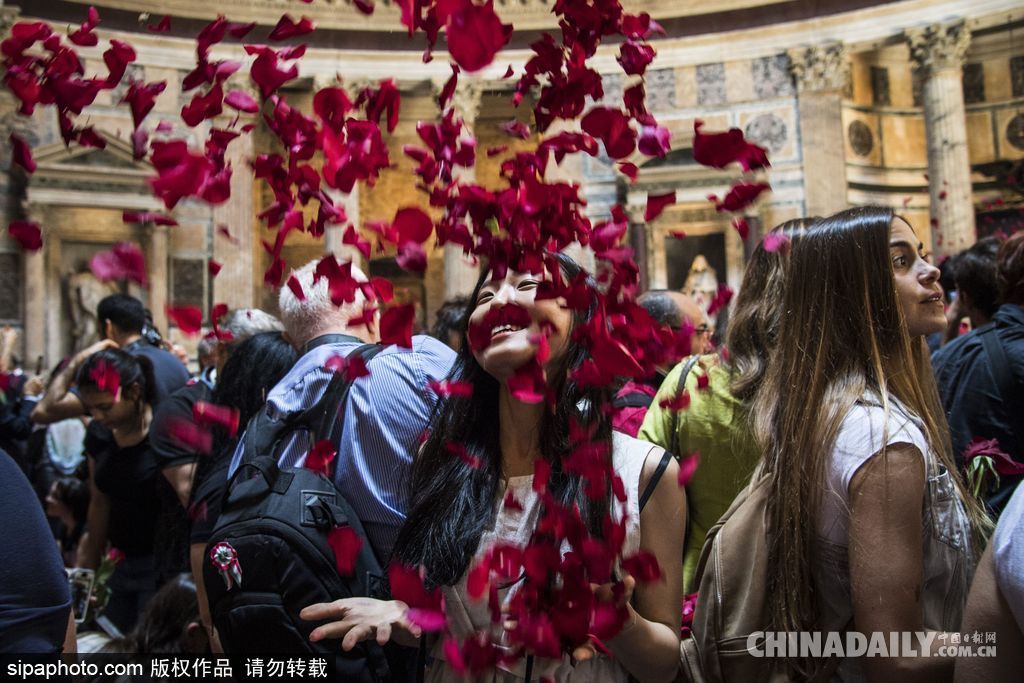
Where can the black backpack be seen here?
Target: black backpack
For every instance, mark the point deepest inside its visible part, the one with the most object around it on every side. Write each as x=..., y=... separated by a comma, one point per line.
x=273, y=529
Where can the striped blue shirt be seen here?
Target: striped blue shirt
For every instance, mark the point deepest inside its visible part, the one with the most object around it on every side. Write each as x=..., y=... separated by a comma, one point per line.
x=385, y=416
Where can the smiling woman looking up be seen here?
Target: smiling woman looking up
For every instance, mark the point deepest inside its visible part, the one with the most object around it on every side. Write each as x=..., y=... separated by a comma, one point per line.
x=872, y=530
x=473, y=488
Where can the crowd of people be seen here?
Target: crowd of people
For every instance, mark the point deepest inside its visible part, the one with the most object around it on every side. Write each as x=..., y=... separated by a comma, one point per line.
x=887, y=474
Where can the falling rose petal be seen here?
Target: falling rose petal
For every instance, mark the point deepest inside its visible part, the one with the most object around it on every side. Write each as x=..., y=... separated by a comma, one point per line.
x=678, y=402
x=721, y=299
x=411, y=257
x=296, y=287
x=657, y=203
x=634, y=57
x=289, y=28
x=677, y=234
x=396, y=325
x=516, y=128
x=242, y=101
x=88, y=137
x=225, y=232
x=27, y=234
x=740, y=196
x=412, y=224
x=703, y=382
x=630, y=170
x=206, y=414
x=189, y=319
x=162, y=26
x=189, y=436
x=451, y=387
x=718, y=150
x=643, y=566
x=346, y=544
x=655, y=141
x=21, y=154
x=384, y=288
x=320, y=457
x=431, y=621
x=475, y=34
x=612, y=127
x=125, y=261
x=213, y=267
x=775, y=241
x=687, y=467
x=364, y=6
x=742, y=227
x=459, y=450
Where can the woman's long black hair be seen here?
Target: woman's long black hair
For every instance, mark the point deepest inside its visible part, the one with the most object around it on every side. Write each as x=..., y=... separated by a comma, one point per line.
x=252, y=370
x=452, y=503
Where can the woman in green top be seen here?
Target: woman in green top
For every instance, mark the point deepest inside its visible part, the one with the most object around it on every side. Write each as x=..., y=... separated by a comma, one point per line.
x=714, y=424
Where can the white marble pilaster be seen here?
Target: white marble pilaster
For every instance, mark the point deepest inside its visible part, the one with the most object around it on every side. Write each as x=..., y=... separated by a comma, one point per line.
x=938, y=51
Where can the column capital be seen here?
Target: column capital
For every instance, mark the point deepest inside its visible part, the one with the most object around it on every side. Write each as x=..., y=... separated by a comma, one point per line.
x=466, y=99
x=820, y=68
x=939, y=46
x=8, y=16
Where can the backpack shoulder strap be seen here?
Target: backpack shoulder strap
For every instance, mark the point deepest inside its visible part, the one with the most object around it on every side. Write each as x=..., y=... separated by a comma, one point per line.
x=680, y=388
x=1002, y=373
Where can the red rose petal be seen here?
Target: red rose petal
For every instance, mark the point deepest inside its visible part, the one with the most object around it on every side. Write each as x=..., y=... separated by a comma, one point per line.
x=188, y=318
x=242, y=101
x=475, y=34
x=687, y=467
x=657, y=203
x=27, y=234
x=396, y=325
x=718, y=150
x=213, y=267
x=21, y=154
x=206, y=414
x=289, y=28
x=346, y=544
x=320, y=457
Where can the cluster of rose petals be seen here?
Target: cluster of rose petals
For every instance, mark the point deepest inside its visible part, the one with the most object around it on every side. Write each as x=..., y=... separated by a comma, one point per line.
x=517, y=225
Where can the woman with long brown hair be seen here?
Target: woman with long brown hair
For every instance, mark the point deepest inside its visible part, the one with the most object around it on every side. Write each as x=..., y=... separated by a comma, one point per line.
x=871, y=529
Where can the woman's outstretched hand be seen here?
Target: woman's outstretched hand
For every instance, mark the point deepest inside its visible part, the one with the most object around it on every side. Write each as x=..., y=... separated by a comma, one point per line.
x=606, y=592
x=359, y=619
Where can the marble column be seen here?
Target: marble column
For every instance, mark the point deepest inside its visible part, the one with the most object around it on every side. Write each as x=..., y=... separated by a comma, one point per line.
x=35, y=289
x=240, y=278
x=460, y=270
x=346, y=201
x=821, y=73
x=157, y=257
x=938, y=52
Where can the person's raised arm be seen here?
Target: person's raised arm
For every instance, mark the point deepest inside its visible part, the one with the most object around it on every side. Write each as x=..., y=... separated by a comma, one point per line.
x=58, y=403
x=887, y=560
x=648, y=645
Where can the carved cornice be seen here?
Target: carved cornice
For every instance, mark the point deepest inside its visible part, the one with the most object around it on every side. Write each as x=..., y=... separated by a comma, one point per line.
x=939, y=46
x=820, y=68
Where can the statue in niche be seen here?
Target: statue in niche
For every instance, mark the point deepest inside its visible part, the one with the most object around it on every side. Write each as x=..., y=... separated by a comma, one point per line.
x=85, y=292
x=701, y=282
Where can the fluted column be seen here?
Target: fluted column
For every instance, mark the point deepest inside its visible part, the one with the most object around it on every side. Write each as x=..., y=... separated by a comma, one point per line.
x=821, y=73
x=346, y=201
x=460, y=272
x=237, y=282
x=938, y=51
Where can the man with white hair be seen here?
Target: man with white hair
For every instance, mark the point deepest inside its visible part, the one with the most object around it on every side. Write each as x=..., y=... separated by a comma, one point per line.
x=385, y=413
x=177, y=460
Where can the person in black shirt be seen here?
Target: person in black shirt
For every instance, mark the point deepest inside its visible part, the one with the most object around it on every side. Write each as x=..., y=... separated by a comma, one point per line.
x=981, y=374
x=122, y=319
x=131, y=506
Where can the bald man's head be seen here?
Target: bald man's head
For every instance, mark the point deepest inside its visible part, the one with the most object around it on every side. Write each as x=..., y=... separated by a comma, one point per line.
x=672, y=308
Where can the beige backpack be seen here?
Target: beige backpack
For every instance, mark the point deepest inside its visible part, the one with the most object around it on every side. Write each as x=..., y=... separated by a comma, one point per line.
x=732, y=599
